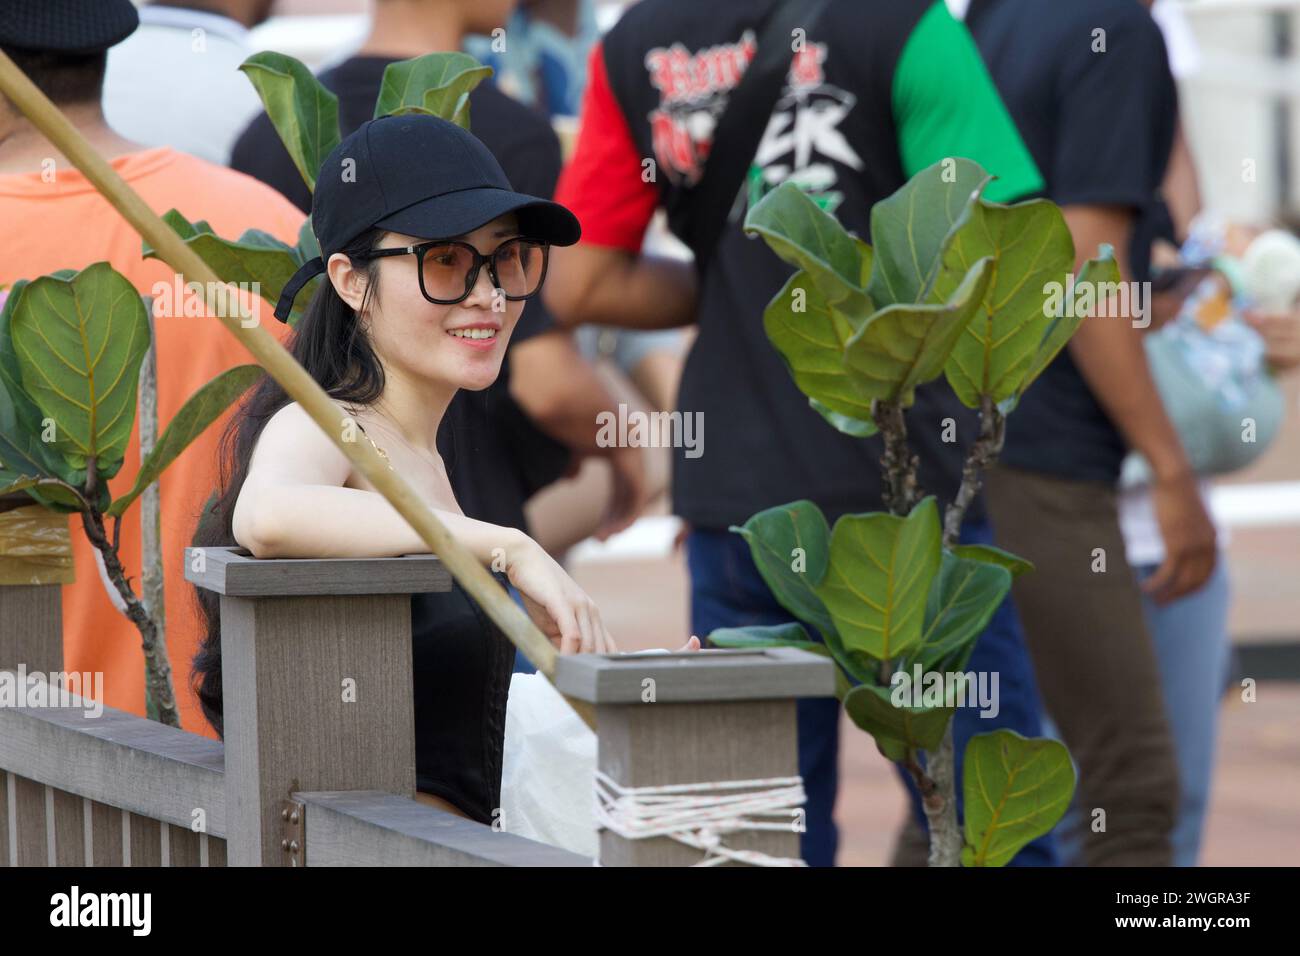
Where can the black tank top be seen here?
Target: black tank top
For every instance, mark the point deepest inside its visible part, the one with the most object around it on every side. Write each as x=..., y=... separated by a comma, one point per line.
x=462, y=665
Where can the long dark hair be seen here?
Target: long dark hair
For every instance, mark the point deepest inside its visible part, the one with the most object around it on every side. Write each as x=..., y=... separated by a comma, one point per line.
x=329, y=344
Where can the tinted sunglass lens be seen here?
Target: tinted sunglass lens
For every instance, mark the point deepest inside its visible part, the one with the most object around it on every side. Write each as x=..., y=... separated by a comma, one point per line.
x=519, y=266
x=446, y=270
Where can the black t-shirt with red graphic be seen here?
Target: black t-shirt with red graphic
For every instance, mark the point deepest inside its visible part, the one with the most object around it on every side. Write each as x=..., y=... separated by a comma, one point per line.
x=877, y=92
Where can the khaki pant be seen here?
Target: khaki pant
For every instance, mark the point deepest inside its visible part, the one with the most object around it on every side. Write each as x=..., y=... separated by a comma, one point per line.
x=1094, y=660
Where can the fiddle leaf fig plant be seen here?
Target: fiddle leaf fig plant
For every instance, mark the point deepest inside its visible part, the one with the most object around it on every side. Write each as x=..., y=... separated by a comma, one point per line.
x=71, y=349
x=955, y=289
x=305, y=115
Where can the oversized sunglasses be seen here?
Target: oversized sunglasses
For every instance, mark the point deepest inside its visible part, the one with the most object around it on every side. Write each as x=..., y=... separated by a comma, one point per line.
x=448, y=269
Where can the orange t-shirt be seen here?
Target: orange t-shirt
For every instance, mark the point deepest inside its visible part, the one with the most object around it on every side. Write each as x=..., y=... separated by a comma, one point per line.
x=66, y=224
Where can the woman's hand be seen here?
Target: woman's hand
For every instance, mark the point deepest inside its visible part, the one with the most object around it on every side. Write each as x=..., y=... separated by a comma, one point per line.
x=559, y=608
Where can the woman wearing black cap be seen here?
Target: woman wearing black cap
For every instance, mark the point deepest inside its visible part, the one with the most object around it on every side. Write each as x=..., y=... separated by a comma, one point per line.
x=428, y=256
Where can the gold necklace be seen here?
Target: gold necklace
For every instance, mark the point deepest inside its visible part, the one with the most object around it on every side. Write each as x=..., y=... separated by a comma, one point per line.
x=382, y=454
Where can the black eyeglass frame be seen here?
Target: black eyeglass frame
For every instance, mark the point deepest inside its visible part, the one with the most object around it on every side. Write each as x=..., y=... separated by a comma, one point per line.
x=420, y=248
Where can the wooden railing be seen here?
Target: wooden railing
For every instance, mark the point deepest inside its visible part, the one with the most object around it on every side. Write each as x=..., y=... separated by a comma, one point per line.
x=318, y=764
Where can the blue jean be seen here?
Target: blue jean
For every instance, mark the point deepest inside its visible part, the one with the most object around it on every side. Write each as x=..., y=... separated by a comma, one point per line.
x=727, y=591
x=1191, y=636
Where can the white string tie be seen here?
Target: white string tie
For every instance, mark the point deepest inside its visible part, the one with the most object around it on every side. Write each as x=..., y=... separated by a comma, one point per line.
x=699, y=815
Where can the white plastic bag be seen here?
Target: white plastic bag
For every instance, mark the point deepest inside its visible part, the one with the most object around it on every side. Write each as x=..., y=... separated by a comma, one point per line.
x=548, y=768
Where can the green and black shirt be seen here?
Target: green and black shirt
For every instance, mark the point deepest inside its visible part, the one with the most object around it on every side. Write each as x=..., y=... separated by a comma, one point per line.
x=879, y=91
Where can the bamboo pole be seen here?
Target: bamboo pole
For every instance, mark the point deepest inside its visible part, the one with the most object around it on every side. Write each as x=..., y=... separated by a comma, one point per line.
x=280, y=365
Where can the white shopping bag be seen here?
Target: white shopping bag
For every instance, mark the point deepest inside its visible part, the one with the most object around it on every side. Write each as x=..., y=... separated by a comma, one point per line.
x=548, y=768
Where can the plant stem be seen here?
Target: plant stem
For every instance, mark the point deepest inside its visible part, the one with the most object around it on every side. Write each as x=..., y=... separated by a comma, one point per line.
x=899, y=463
x=945, y=834
x=941, y=810
x=158, y=668
x=983, y=452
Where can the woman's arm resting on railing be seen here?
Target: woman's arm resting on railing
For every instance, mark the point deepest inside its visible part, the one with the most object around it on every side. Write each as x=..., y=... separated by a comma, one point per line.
x=293, y=505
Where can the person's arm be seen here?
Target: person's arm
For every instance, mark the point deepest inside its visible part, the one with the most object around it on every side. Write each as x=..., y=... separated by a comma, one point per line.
x=1112, y=360
x=1181, y=189
x=293, y=505
x=607, y=286
x=559, y=389
x=561, y=392
x=605, y=278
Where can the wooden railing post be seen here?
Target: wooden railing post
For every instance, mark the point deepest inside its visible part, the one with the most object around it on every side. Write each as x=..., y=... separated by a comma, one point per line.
x=31, y=613
x=707, y=717
x=316, y=673
x=31, y=638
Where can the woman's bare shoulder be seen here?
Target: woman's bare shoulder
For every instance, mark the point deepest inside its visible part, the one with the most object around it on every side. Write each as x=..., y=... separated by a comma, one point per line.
x=294, y=442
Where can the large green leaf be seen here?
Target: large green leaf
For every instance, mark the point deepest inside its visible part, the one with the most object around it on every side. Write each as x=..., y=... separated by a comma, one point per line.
x=203, y=408
x=903, y=346
x=22, y=453
x=991, y=555
x=783, y=538
x=257, y=261
x=308, y=247
x=912, y=228
x=764, y=635
x=79, y=342
x=1031, y=246
x=894, y=727
x=846, y=424
x=811, y=340
x=880, y=571
x=436, y=83
x=1099, y=273
x=962, y=599
x=804, y=235
x=1016, y=789
x=303, y=112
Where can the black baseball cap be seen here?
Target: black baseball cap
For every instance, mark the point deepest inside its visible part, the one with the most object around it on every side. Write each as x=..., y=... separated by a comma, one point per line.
x=66, y=26
x=422, y=176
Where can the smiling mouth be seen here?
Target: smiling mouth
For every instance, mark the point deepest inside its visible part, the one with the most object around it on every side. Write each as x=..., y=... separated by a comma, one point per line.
x=473, y=333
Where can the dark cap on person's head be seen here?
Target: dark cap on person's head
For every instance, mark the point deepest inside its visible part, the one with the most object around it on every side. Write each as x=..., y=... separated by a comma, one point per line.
x=421, y=176
x=66, y=26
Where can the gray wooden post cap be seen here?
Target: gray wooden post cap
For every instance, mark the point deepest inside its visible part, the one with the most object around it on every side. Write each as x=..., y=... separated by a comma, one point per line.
x=236, y=573
x=694, y=676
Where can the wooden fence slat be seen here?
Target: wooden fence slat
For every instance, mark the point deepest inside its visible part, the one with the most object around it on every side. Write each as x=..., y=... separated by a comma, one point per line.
x=69, y=828
x=29, y=819
x=216, y=850
x=146, y=841
x=5, y=819
x=106, y=834
x=183, y=846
